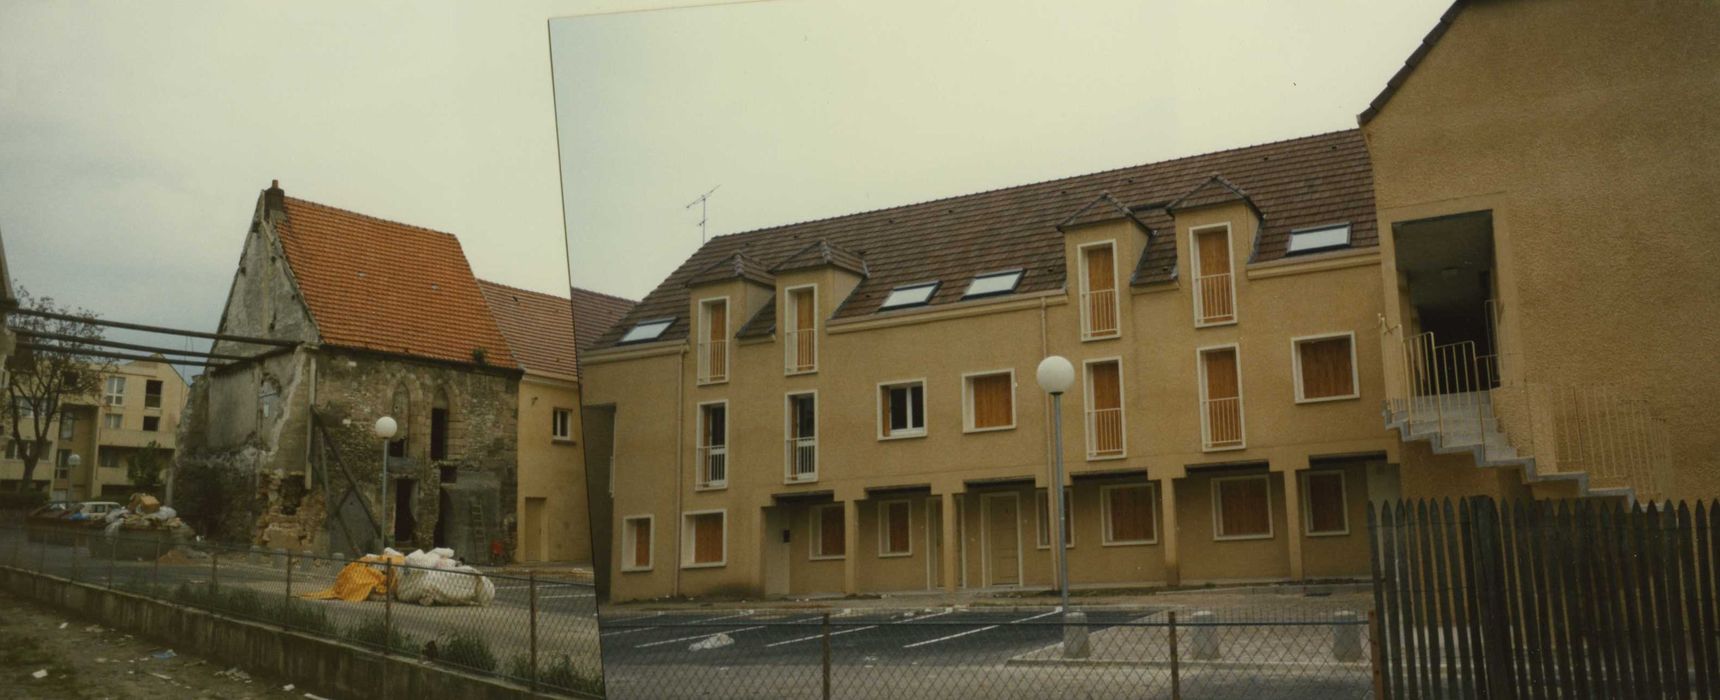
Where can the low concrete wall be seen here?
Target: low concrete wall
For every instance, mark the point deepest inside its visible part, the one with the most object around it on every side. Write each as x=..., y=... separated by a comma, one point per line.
x=316, y=665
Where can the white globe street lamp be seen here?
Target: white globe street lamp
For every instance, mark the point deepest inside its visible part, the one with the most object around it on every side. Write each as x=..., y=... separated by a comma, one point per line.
x=1055, y=376
x=385, y=428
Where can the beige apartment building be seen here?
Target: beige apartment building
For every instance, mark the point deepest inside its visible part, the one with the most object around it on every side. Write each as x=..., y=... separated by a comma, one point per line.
x=140, y=403
x=1495, y=286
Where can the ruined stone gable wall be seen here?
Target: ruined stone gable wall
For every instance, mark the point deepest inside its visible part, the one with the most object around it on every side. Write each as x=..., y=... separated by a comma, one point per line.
x=354, y=388
x=263, y=300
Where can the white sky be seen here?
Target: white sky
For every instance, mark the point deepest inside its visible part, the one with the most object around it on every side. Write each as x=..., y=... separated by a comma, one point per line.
x=803, y=109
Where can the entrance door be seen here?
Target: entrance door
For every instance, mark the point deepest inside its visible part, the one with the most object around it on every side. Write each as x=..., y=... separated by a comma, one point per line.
x=934, y=543
x=531, y=531
x=1002, y=539
x=405, y=524
x=777, y=550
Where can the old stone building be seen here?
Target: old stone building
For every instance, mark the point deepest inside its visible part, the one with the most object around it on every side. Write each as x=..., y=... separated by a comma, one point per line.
x=379, y=319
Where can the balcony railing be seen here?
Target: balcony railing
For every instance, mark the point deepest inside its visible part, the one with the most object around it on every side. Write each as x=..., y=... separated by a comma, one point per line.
x=713, y=466
x=802, y=459
x=1099, y=314
x=800, y=350
x=1221, y=423
x=1214, y=302
x=1104, y=433
x=713, y=361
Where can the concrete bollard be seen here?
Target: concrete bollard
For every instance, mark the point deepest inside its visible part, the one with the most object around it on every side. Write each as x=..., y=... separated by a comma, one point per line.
x=1204, y=637
x=1346, y=637
x=1075, y=644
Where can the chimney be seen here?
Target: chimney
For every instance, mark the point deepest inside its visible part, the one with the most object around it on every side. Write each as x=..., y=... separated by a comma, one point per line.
x=275, y=201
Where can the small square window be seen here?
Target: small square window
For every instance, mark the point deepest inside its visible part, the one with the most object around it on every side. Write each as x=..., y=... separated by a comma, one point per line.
x=706, y=543
x=993, y=283
x=647, y=330
x=1129, y=514
x=1318, y=239
x=895, y=527
x=990, y=399
x=113, y=421
x=636, y=543
x=1241, y=509
x=828, y=540
x=561, y=424
x=902, y=410
x=909, y=295
x=152, y=423
x=1325, y=368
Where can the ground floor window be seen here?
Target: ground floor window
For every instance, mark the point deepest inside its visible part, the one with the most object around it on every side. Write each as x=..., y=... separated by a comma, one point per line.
x=895, y=520
x=827, y=538
x=1129, y=512
x=705, y=539
x=636, y=543
x=1240, y=508
x=1323, y=501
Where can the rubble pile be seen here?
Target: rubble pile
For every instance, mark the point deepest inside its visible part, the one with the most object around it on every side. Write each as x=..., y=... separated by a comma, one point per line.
x=144, y=513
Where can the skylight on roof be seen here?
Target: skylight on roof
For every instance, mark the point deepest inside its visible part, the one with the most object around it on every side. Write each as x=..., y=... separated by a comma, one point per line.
x=647, y=330
x=909, y=295
x=993, y=283
x=1323, y=238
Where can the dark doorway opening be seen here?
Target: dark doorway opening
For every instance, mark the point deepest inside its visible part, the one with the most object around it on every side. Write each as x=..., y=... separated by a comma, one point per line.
x=405, y=522
x=438, y=434
x=1447, y=269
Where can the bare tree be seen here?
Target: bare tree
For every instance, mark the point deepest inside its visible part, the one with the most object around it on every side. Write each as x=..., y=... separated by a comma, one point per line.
x=44, y=376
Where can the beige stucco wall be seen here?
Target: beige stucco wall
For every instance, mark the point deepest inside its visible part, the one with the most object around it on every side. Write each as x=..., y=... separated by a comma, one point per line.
x=1588, y=129
x=554, y=470
x=91, y=437
x=656, y=394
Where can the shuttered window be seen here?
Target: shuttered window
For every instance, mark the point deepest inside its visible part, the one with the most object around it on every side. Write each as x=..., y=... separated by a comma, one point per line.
x=1129, y=514
x=706, y=531
x=895, y=520
x=1214, y=297
x=991, y=401
x=1240, y=507
x=1324, y=502
x=827, y=539
x=1104, y=409
x=1325, y=368
x=1099, y=293
x=1221, y=399
x=1044, y=519
x=637, y=542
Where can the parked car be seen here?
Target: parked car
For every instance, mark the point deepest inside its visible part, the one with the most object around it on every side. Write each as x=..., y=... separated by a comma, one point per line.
x=94, y=510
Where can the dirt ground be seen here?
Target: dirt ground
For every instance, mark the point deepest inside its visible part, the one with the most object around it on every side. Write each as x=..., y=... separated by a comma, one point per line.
x=87, y=661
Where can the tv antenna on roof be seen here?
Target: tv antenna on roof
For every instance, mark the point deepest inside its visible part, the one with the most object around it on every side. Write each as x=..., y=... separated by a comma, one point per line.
x=703, y=217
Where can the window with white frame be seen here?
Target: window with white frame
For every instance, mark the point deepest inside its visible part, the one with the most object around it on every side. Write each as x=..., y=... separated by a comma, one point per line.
x=1318, y=239
x=895, y=528
x=1325, y=367
x=713, y=444
x=561, y=424
x=713, y=341
x=113, y=393
x=902, y=409
x=1214, y=284
x=992, y=284
x=800, y=330
x=908, y=295
x=706, y=539
x=113, y=421
x=1221, y=418
x=152, y=393
x=802, y=443
x=1043, y=519
x=989, y=400
x=644, y=331
x=1104, y=399
x=827, y=523
x=68, y=425
x=1129, y=512
x=1323, y=503
x=1099, y=302
x=636, y=543
x=1242, y=507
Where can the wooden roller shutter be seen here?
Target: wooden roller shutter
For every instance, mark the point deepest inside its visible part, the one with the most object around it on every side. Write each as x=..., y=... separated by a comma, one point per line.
x=1243, y=508
x=896, y=529
x=831, y=543
x=641, y=542
x=991, y=401
x=1326, y=511
x=1131, y=514
x=707, y=538
x=1326, y=370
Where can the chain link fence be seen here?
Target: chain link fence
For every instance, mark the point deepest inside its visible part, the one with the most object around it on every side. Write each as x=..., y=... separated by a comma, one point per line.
x=534, y=631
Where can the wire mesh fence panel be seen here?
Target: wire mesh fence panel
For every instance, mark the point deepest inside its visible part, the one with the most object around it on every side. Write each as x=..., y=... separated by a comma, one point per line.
x=538, y=633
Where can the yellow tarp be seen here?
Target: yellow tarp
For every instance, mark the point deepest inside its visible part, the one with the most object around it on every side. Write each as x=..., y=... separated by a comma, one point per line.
x=358, y=580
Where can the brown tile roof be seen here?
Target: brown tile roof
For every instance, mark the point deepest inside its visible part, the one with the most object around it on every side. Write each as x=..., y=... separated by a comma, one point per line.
x=1295, y=184
x=538, y=328
x=737, y=266
x=1409, y=64
x=594, y=313
x=819, y=254
x=381, y=285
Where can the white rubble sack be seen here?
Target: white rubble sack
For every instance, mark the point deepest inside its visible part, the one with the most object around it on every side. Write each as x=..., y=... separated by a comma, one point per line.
x=712, y=642
x=460, y=586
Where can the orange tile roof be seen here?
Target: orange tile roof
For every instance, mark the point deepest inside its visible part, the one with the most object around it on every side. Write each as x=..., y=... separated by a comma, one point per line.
x=380, y=285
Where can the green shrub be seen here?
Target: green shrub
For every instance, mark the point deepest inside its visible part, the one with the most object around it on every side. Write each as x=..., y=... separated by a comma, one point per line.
x=468, y=651
x=373, y=633
x=303, y=617
x=557, y=673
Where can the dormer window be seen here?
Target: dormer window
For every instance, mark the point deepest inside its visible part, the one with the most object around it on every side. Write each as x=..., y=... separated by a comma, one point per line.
x=800, y=330
x=713, y=341
x=646, y=330
x=909, y=295
x=1099, y=310
x=1323, y=238
x=993, y=283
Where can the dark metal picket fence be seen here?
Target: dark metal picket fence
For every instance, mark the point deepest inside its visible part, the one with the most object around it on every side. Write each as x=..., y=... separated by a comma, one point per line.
x=535, y=631
x=1542, y=599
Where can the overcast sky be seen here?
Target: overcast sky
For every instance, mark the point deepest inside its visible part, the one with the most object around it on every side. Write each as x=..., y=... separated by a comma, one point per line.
x=805, y=109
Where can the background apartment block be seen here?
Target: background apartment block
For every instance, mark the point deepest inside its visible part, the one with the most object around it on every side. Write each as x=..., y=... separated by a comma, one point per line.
x=140, y=403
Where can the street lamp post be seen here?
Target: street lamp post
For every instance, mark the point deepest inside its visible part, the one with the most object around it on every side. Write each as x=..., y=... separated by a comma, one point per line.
x=1055, y=376
x=73, y=461
x=385, y=429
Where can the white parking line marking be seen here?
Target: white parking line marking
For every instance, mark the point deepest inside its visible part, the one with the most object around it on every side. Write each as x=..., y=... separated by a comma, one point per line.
x=565, y=595
x=629, y=630
x=977, y=631
x=697, y=636
x=855, y=629
x=742, y=613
